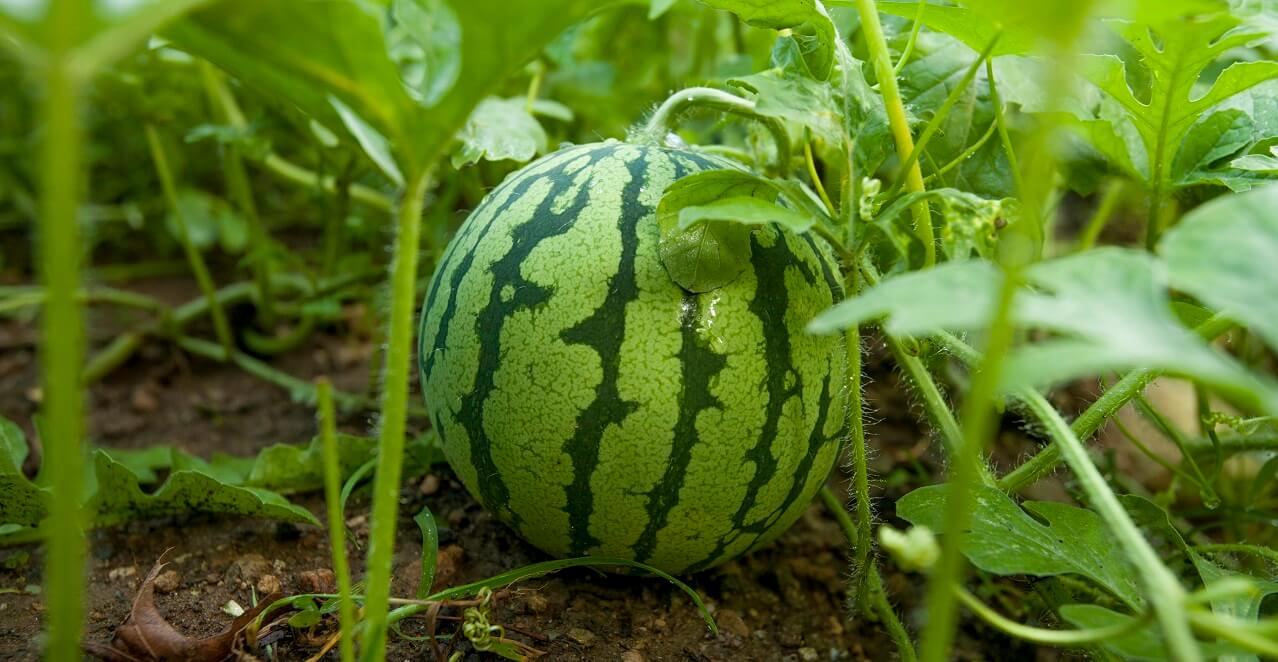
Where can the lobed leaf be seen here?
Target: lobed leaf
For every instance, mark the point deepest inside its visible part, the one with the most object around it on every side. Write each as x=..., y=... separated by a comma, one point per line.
x=1006, y=540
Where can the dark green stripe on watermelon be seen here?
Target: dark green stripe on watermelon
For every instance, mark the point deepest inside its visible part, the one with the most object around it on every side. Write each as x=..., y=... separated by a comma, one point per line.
x=700, y=366
x=604, y=331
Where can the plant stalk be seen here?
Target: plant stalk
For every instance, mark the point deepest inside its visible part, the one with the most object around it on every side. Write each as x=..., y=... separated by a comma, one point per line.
x=336, y=521
x=881, y=58
x=667, y=114
x=979, y=420
x=62, y=333
x=390, y=457
x=193, y=257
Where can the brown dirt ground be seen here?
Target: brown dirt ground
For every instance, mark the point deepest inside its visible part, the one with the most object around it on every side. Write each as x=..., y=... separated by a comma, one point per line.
x=786, y=602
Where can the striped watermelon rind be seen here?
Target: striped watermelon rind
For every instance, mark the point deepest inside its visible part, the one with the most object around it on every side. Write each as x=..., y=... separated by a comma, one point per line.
x=596, y=407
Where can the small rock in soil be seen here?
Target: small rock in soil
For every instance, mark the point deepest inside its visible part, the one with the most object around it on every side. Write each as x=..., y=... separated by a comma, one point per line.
x=632, y=656
x=317, y=581
x=731, y=621
x=142, y=400
x=168, y=581
x=269, y=584
x=808, y=654
x=430, y=485
x=536, y=603
x=456, y=517
x=582, y=636
x=116, y=574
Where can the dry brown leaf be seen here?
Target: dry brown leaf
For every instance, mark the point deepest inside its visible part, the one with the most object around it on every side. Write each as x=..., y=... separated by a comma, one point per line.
x=145, y=636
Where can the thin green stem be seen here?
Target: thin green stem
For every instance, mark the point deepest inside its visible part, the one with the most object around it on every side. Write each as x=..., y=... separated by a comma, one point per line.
x=193, y=256
x=1163, y=591
x=964, y=155
x=914, y=37
x=978, y=416
x=336, y=521
x=666, y=117
x=862, y=564
x=62, y=332
x=1208, y=493
x=876, y=594
x=241, y=191
x=881, y=58
x=289, y=171
x=1234, y=631
x=887, y=615
x=943, y=113
x=1149, y=453
x=1043, y=636
x=1093, y=417
x=390, y=458
x=1100, y=218
x=938, y=411
x=1000, y=120
x=816, y=179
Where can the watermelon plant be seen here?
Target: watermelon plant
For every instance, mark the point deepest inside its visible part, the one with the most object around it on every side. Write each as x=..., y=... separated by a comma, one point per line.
x=676, y=262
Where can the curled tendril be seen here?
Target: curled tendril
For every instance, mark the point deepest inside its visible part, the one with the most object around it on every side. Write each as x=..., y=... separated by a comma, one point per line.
x=475, y=626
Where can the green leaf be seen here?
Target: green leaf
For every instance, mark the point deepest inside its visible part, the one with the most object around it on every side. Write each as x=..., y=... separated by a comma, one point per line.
x=1176, y=53
x=22, y=502
x=967, y=26
x=106, y=31
x=707, y=256
x=426, y=41
x=309, y=53
x=289, y=468
x=797, y=99
x=1211, y=139
x=1005, y=540
x=430, y=551
x=498, y=130
x=1266, y=163
x=816, y=42
x=209, y=220
x=714, y=253
x=745, y=210
x=1106, y=309
x=120, y=498
x=1224, y=253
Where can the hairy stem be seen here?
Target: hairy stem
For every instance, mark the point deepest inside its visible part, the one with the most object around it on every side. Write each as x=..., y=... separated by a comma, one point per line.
x=667, y=114
x=390, y=458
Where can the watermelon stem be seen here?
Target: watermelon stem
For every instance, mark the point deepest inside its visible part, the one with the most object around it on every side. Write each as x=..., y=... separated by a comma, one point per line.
x=667, y=116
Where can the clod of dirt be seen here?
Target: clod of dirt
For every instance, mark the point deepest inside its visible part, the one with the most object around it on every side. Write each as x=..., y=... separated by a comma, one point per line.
x=446, y=565
x=430, y=485
x=269, y=584
x=808, y=654
x=632, y=656
x=731, y=621
x=142, y=400
x=145, y=636
x=582, y=636
x=248, y=568
x=317, y=581
x=168, y=581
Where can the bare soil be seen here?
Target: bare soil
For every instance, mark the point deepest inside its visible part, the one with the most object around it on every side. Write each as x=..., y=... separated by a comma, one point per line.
x=786, y=602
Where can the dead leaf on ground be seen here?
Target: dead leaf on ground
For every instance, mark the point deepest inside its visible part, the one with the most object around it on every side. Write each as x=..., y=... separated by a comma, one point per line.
x=145, y=636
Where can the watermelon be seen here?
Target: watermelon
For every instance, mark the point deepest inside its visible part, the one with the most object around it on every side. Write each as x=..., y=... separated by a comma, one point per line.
x=599, y=409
